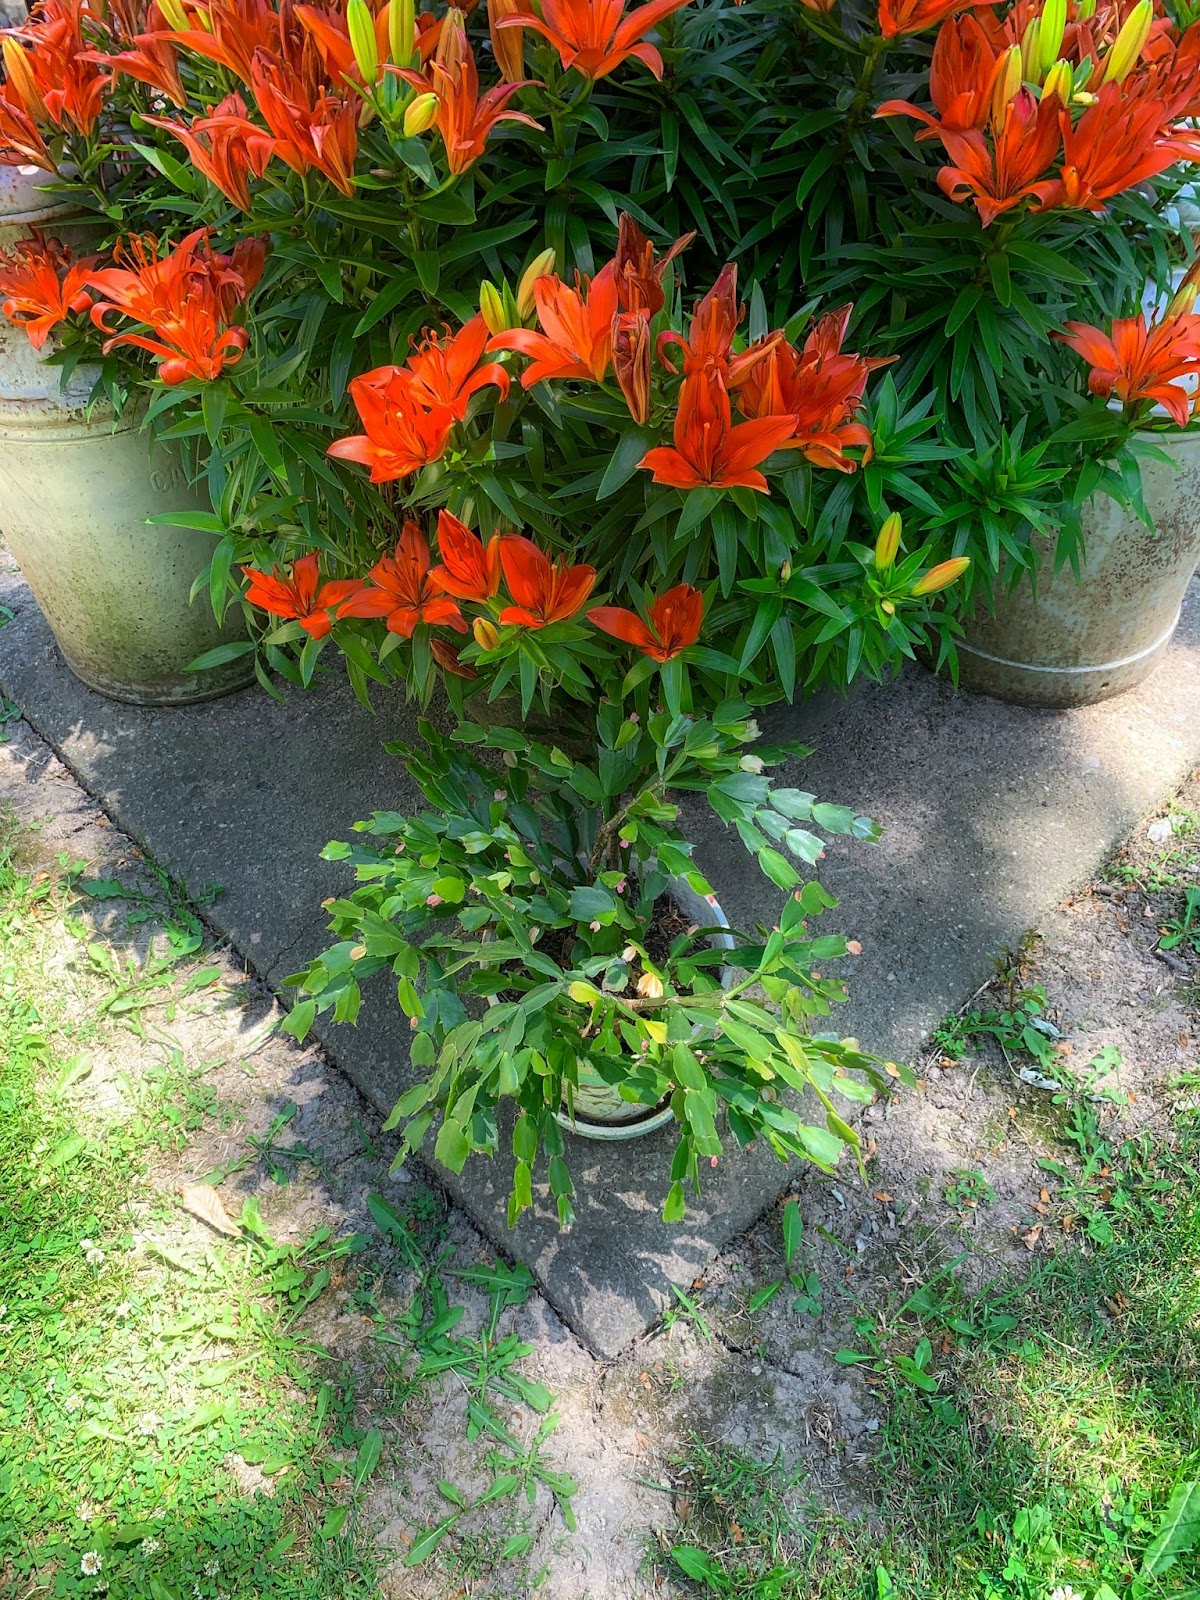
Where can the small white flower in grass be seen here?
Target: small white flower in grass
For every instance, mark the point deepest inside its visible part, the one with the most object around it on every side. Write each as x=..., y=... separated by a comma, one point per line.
x=85, y=1511
x=85, y=1245
x=211, y=1568
x=72, y=1403
x=94, y=1256
x=1065, y=1592
x=122, y=1311
x=148, y=1423
x=151, y=1546
x=91, y=1563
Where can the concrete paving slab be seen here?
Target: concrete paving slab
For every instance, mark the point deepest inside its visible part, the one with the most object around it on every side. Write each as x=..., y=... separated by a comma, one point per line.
x=991, y=813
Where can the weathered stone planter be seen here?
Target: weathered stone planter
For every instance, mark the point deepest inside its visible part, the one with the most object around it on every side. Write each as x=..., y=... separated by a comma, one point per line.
x=1072, y=643
x=76, y=490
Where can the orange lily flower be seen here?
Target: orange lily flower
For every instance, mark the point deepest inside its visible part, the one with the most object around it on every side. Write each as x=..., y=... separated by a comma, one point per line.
x=401, y=436
x=1003, y=175
x=1119, y=141
x=631, y=361
x=674, y=622
x=898, y=17
x=21, y=145
x=300, y=597
x=709, y=345
x=465, y=118
x=232, y=32
x=312, y=129
x=470, y=570
x=235, y=148
x=595, y=36
x=576, y=334
x=962, y=76
x=150, y=58
x=444, y=371
x=61, y=84
x=187, y=298
x=41, y=284
x=820, y=386
x=1140, y=359
x=403, y=592
x=639, y=271
x=544, y=591
x=709, y=452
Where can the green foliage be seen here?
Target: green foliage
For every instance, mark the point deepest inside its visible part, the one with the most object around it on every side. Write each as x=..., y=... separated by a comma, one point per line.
x=551, y=870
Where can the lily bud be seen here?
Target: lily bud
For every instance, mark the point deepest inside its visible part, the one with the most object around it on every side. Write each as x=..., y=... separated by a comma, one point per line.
x=1007, y=84
x=1129, y=43
x=174, y=15
x=491, y=308
x=420, y=115
x=1054, y=21
x=452, y=47
x=402, y=31
x=1184, y=298
x=631, y=362
x=941, y=576
x=1031, y=50
x=1060, y=80
x=508, y=44
x=20, y=75
x=540, y=267
x=360, y=25
x=785, y=572
x=888, y=607
x=487, y=635
x=887, y=544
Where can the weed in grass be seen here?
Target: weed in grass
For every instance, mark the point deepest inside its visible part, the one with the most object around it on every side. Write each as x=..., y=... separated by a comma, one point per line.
x=967, y=1189
x=806, y=1286
x=1184, y=929
x=1019, y=1026
x=1169, y=866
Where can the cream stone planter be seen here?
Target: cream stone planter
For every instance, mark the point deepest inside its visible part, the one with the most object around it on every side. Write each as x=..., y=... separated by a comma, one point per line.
x=1070, y=643
x=76, y=490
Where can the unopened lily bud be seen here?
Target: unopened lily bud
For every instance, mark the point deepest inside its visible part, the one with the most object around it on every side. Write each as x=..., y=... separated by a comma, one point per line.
x=785, y=572
x=204, y=18
x=402, y=31
x=173, y=14
x=487, y=635
x=420, y=115
x=491, y=308
x=1031, y=50
x=1129, y=43
x=360, y=25
x=1060, y=80
x=941, y=576
x=508, y=44
x=1007, y=84
x=1184, y=298
x=650, y=986
x=20, y=75
x=631, y=362
x=887, y=544
x=1054, y=21
x=540, y=267
x=888, y=608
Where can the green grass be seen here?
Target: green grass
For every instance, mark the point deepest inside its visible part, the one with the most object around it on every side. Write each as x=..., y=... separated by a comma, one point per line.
x=1040, y=1451
x=142, y=1383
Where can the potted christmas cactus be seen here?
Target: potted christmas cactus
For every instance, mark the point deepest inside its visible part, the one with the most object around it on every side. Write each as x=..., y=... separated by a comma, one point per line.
x=561, y=959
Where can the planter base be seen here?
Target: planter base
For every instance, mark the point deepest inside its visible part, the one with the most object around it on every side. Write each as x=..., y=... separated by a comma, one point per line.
x=1025, y=684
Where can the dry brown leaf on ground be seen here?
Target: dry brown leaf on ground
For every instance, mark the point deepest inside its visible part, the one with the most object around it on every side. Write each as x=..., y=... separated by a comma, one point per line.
x=202, y=1201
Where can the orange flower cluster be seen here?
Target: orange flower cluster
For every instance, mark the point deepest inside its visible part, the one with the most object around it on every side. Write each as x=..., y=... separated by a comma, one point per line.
x=405, y=590
x=409, y=412
x=41, y=284
x=1141, y=359
x=186, y=299
x=1058, y=105
x=806, y=399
